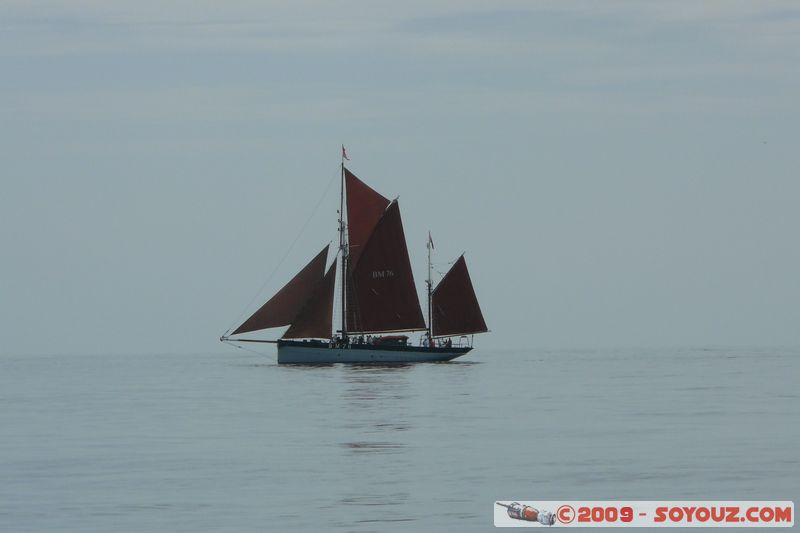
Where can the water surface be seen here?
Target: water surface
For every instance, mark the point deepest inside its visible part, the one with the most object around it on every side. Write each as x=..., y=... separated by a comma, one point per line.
x=231, y=441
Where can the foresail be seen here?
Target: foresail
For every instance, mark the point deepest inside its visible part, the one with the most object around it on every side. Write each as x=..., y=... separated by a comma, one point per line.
x=382, y=295
x=315, y=320
x=455, y=307
x=285, y=306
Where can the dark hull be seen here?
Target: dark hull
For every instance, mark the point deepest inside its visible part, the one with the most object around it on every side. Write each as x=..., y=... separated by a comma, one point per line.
x=296, y=352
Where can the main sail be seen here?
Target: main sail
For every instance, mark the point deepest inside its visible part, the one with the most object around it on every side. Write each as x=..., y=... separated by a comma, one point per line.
x=381, y=293
x=455, y=307
x=288, y=303
x=365, y=207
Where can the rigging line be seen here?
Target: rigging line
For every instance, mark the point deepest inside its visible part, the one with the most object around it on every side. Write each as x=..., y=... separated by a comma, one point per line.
x=291, y=247
x=242, y=348
x=440, y=263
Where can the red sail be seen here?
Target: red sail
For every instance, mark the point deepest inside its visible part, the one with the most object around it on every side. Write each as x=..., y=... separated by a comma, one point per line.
x=455, y=306
x=284, y=307
x=316, y=318
x=364, y=209
x=384, y=297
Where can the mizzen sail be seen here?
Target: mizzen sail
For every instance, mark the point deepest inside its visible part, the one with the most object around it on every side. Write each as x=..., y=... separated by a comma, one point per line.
x=455, y=307
x=286, y=305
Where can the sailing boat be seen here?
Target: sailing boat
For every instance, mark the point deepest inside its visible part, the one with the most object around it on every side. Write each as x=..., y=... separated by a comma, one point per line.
x=378, y=296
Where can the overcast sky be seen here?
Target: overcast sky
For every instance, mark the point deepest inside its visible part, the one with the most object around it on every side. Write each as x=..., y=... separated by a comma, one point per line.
x=619, y=173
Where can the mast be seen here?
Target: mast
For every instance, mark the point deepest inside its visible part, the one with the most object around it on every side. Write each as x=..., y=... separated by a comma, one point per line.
x=430, y=289
x=343, y=253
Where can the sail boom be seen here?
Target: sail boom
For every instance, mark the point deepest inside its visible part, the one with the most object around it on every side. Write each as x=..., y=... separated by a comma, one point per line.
x=410, y=330
x=227, y=339
x=460, y=334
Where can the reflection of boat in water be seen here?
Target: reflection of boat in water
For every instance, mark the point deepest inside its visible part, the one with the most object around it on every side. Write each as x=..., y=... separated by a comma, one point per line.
x=378, y=296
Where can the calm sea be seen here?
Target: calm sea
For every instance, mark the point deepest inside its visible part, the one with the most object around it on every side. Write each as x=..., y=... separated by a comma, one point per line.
x=233, y=442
